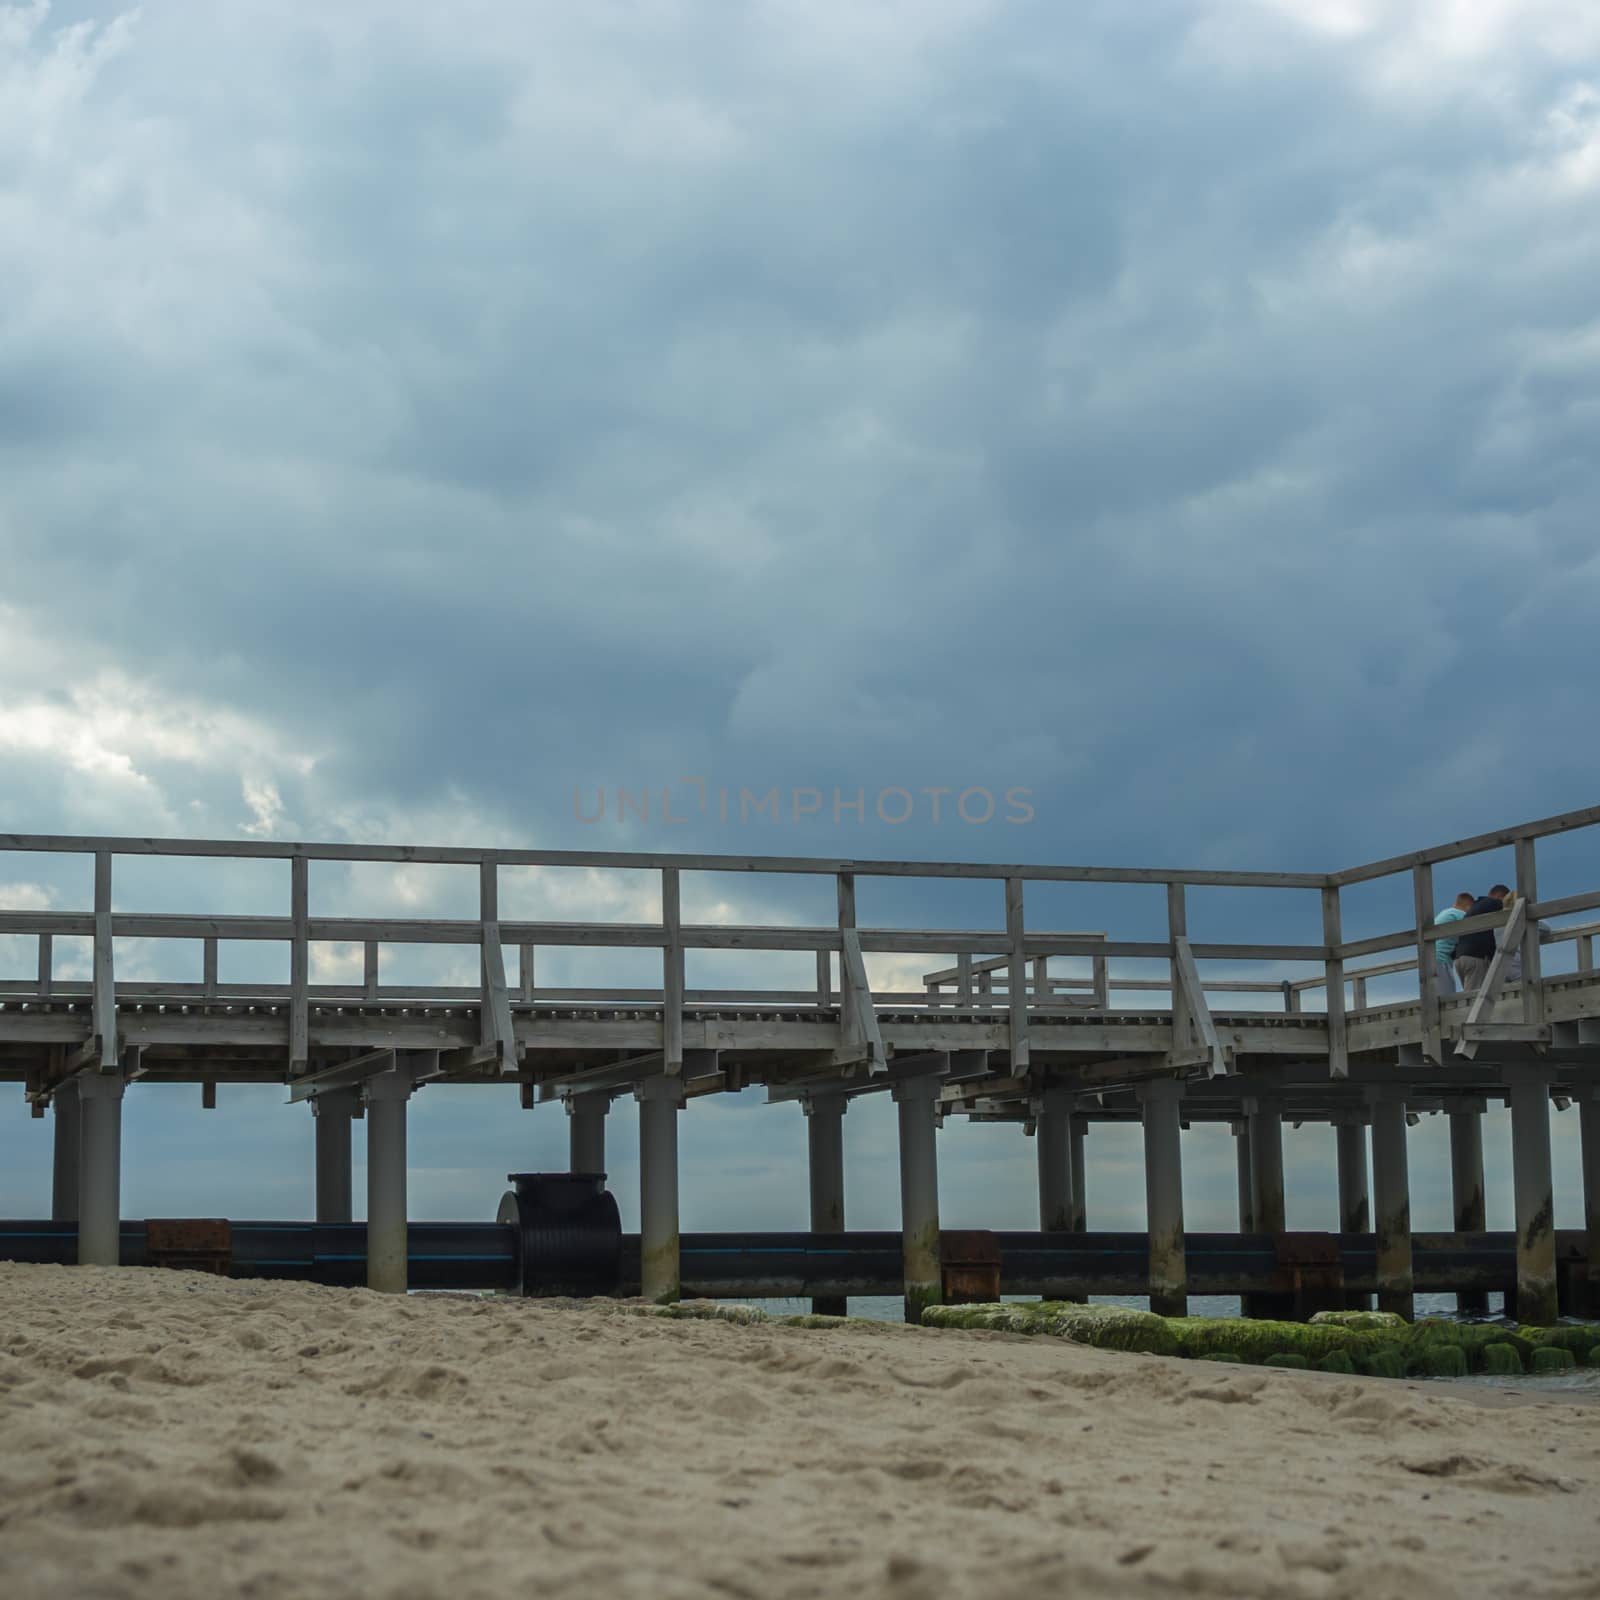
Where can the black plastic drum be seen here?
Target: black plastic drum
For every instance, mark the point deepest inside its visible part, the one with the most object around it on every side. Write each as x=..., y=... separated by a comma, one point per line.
x=570, y=1232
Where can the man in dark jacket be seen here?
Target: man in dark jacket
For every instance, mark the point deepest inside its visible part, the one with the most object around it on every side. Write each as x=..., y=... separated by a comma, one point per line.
x=1474, y=951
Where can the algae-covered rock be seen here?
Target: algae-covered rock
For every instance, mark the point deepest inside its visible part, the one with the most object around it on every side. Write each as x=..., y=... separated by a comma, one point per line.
x=1005, y=1318
x=1286, y=1358
x=1551, y=1358
x=1254, y=1339
x=1361, y=1321
x=1578, y=1340
x=1593, y=1357
x=1223, y=1355
x=1502, y=1358
x=1473, y=1338
x=1386, y=1362
x=1105, y=1327
x=1336, y=1361
x=1437, y=1361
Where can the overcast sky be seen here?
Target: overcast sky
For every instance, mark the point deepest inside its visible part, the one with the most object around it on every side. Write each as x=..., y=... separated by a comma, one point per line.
x=1185, y=412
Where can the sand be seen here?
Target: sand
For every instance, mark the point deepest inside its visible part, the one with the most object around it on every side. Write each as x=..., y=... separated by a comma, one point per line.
x=170, y=1434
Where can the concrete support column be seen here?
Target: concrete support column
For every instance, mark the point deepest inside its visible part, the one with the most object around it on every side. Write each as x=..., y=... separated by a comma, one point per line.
x=1053, y=1148
x=1392, y=1194
x=1163, y=1187
x=1589, y=1129
x=332, y=1114
x=825, y=1145
x=100, y=1169
x=586, y=1132
x=660, y=1100
x=386, y=1096
x=1266, y=1163
x=1466, y=1190
x=65, y=1107
x=1355, y=1188
x=1244, y=1177
x=1077, y=1129
x=917, y=1099
x=1530, y=1168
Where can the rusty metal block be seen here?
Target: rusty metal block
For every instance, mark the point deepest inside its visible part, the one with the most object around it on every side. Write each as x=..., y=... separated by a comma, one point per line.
x=199, y=1244
x=969, y=1267
x=1311, y=1270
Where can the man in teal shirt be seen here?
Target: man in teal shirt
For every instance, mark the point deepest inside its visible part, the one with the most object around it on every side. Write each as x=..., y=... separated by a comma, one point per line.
x=1445, y=949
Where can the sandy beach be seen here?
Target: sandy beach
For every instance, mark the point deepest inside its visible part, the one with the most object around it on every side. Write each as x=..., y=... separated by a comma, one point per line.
x=170, y=1434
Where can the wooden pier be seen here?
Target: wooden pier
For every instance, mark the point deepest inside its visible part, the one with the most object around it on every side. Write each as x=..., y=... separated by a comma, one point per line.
x=1364, y=1040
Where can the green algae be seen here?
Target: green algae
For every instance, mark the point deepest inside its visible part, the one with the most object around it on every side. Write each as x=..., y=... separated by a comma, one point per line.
x=1502, y=1358
x=1577, y=1340
x=1473, y=1339
x=1551, y=1358
x=1286, y=1358
x=1360, y=1321
x=1385, y=1362
x=1437, y=1360
x=1104, y=1327
x=744, y=1316
x=1593, y=1357
x=1336, y=1361
x=1223, y=1355
x=1254, y=1339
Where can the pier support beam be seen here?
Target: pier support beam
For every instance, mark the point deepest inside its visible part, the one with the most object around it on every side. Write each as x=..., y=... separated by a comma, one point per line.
x=1245, y=1177
x=1266, y=1163
x=1053, y=1148
x=331, y=1114
x=1355, y=1188
x=1077, y=1125
x=1392, y=1194
x=386, y=1095
x=1466, y=1190
x=1589, y=1129
x=1163, y=1188
x=586, y=1132
x=917, y=1099
x=660, y=1100
x=100, y=1168
x=1530, y=1167
x=825, y=1146
x=65, y=1108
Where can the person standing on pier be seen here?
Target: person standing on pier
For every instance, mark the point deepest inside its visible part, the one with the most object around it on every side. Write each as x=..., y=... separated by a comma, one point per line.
x=1446, y=948
x=1474, y=951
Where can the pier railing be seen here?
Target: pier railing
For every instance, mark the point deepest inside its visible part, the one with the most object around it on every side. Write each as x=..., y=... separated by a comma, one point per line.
x=1003, y=970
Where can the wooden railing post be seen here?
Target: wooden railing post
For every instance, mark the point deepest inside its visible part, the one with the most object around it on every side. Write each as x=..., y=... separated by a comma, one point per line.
x=1427, y=961
x=496, y=1032
x=104, y=1018
x=1333, y=972
x=1178, y=928
x=672, y=972
x=299, y=965
x=1016, y=975
x=1528, y=893
x=46, y=964
x=849, y=1022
